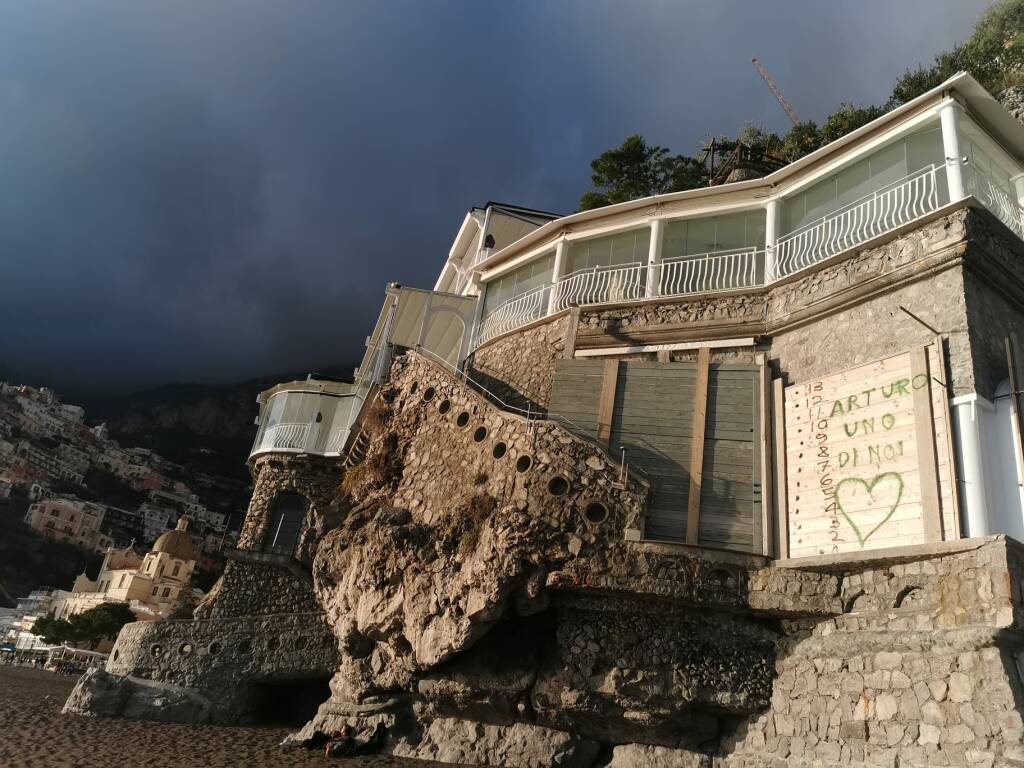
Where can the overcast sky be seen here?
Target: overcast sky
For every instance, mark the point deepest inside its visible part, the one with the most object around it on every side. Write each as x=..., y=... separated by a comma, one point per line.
x=212, y=191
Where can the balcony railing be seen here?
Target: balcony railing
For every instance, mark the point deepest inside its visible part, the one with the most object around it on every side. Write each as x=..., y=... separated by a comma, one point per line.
x=711, y=272
x=284, y=437
x=601, y=285
x=882, y=211
x=995, y=198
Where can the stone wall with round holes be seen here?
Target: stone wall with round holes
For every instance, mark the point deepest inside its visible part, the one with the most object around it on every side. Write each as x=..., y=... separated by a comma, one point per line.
x=222, y=658
x=470, y=447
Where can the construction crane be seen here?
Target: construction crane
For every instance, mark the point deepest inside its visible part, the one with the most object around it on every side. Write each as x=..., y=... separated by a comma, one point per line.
x=775, y=90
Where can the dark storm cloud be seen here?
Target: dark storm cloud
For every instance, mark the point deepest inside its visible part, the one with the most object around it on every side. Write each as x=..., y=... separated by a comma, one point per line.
x=211, y=191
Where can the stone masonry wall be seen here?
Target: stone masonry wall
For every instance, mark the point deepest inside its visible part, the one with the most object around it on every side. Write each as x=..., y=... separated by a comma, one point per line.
x=315, y=479
x=995, y=299
x=222, y=658
x=920, y=671
x=519, y=367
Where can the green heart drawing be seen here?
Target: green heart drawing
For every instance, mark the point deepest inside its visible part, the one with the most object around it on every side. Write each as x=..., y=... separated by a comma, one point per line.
x=869, y=487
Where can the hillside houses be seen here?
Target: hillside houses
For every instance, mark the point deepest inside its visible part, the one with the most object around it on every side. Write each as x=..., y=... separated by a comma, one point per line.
x=47, y=454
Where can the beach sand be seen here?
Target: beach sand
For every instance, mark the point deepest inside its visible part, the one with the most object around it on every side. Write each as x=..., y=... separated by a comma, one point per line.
x=34, y=734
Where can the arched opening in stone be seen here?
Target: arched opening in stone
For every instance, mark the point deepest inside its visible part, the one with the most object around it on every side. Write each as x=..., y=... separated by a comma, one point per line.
x=480, y=435
x=287, y=513
x=289, y=702
x=499, y=450
x=523, y=464
x=444, y=407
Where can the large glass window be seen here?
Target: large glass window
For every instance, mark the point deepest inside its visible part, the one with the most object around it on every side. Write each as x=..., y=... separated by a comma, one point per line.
x=987, y=159
x=612, y=250
x=882, y=168
x=521, y=280
x=733, y=231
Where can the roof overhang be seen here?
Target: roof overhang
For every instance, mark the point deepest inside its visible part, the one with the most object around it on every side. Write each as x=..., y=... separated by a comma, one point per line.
x=979, y=103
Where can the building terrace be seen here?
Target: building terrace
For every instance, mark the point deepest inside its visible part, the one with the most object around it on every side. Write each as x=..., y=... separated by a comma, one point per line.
x=953, y=143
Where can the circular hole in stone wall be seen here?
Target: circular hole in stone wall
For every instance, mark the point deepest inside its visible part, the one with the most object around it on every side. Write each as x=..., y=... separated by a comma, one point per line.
x=595, y=512
x=428, y=394
x=558, y=486
x=185, y=649
x=499, y=451
x=523, y=463
x=156, y=651
x=413, y=387
x=444, y=406
x=480, y=435
x=215, y=648
x=463, y=419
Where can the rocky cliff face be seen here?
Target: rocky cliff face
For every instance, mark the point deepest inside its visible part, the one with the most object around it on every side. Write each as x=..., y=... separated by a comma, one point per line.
x=482, y=575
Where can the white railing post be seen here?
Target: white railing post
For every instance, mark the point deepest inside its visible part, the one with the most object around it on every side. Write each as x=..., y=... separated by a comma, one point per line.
x=654, y=260
x=561, y=258
x=949, y=117
x=772, y=226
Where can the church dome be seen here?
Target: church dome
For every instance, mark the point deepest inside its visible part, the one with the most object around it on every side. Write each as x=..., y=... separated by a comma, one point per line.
x=177, y=543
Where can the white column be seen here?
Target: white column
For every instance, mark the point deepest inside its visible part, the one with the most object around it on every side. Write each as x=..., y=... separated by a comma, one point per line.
x=654, y=259
x=561, y=260
x=772, y=222
x=949, y=116
x=1018, y=186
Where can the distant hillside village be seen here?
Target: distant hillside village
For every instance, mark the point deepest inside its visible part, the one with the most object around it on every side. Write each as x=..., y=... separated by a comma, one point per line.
x=154, y=522
x=87, y=490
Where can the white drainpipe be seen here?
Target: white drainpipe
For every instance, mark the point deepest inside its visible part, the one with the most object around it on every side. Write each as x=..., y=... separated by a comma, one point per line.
x=967, y=413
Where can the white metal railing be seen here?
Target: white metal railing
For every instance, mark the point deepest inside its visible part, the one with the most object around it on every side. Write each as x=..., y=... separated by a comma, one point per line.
x=895, y=205
x=601, y=285
x=995, y=198
x=710, y=272
x=874, y=214
x=515, y=313
x=284, y=437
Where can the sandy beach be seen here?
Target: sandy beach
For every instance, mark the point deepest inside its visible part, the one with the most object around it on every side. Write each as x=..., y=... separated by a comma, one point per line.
x=34, y=734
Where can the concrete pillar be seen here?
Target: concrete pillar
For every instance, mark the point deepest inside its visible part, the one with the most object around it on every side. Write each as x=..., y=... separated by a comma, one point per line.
x=949, y=117
x=772, y=226
x=654, y=259
x=561, y=263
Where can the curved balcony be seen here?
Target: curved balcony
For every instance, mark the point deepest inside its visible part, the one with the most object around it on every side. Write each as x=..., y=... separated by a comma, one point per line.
x=311, y=417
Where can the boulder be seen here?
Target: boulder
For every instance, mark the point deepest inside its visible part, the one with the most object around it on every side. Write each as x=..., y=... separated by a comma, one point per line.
x=99, y=693
x=646, y=756
x=464, y=742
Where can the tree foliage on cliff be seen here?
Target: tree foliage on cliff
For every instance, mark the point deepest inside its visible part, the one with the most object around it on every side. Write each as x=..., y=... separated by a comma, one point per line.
x=89, y=627
x=993, y=54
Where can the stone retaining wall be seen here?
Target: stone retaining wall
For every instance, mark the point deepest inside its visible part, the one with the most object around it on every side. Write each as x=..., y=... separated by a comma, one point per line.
x=223, y=658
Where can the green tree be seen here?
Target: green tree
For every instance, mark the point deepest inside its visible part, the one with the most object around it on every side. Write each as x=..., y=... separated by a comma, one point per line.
x=184, y=604
x=801, y=140
x=634, y=170
x=846, y=119
x=89, y=627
